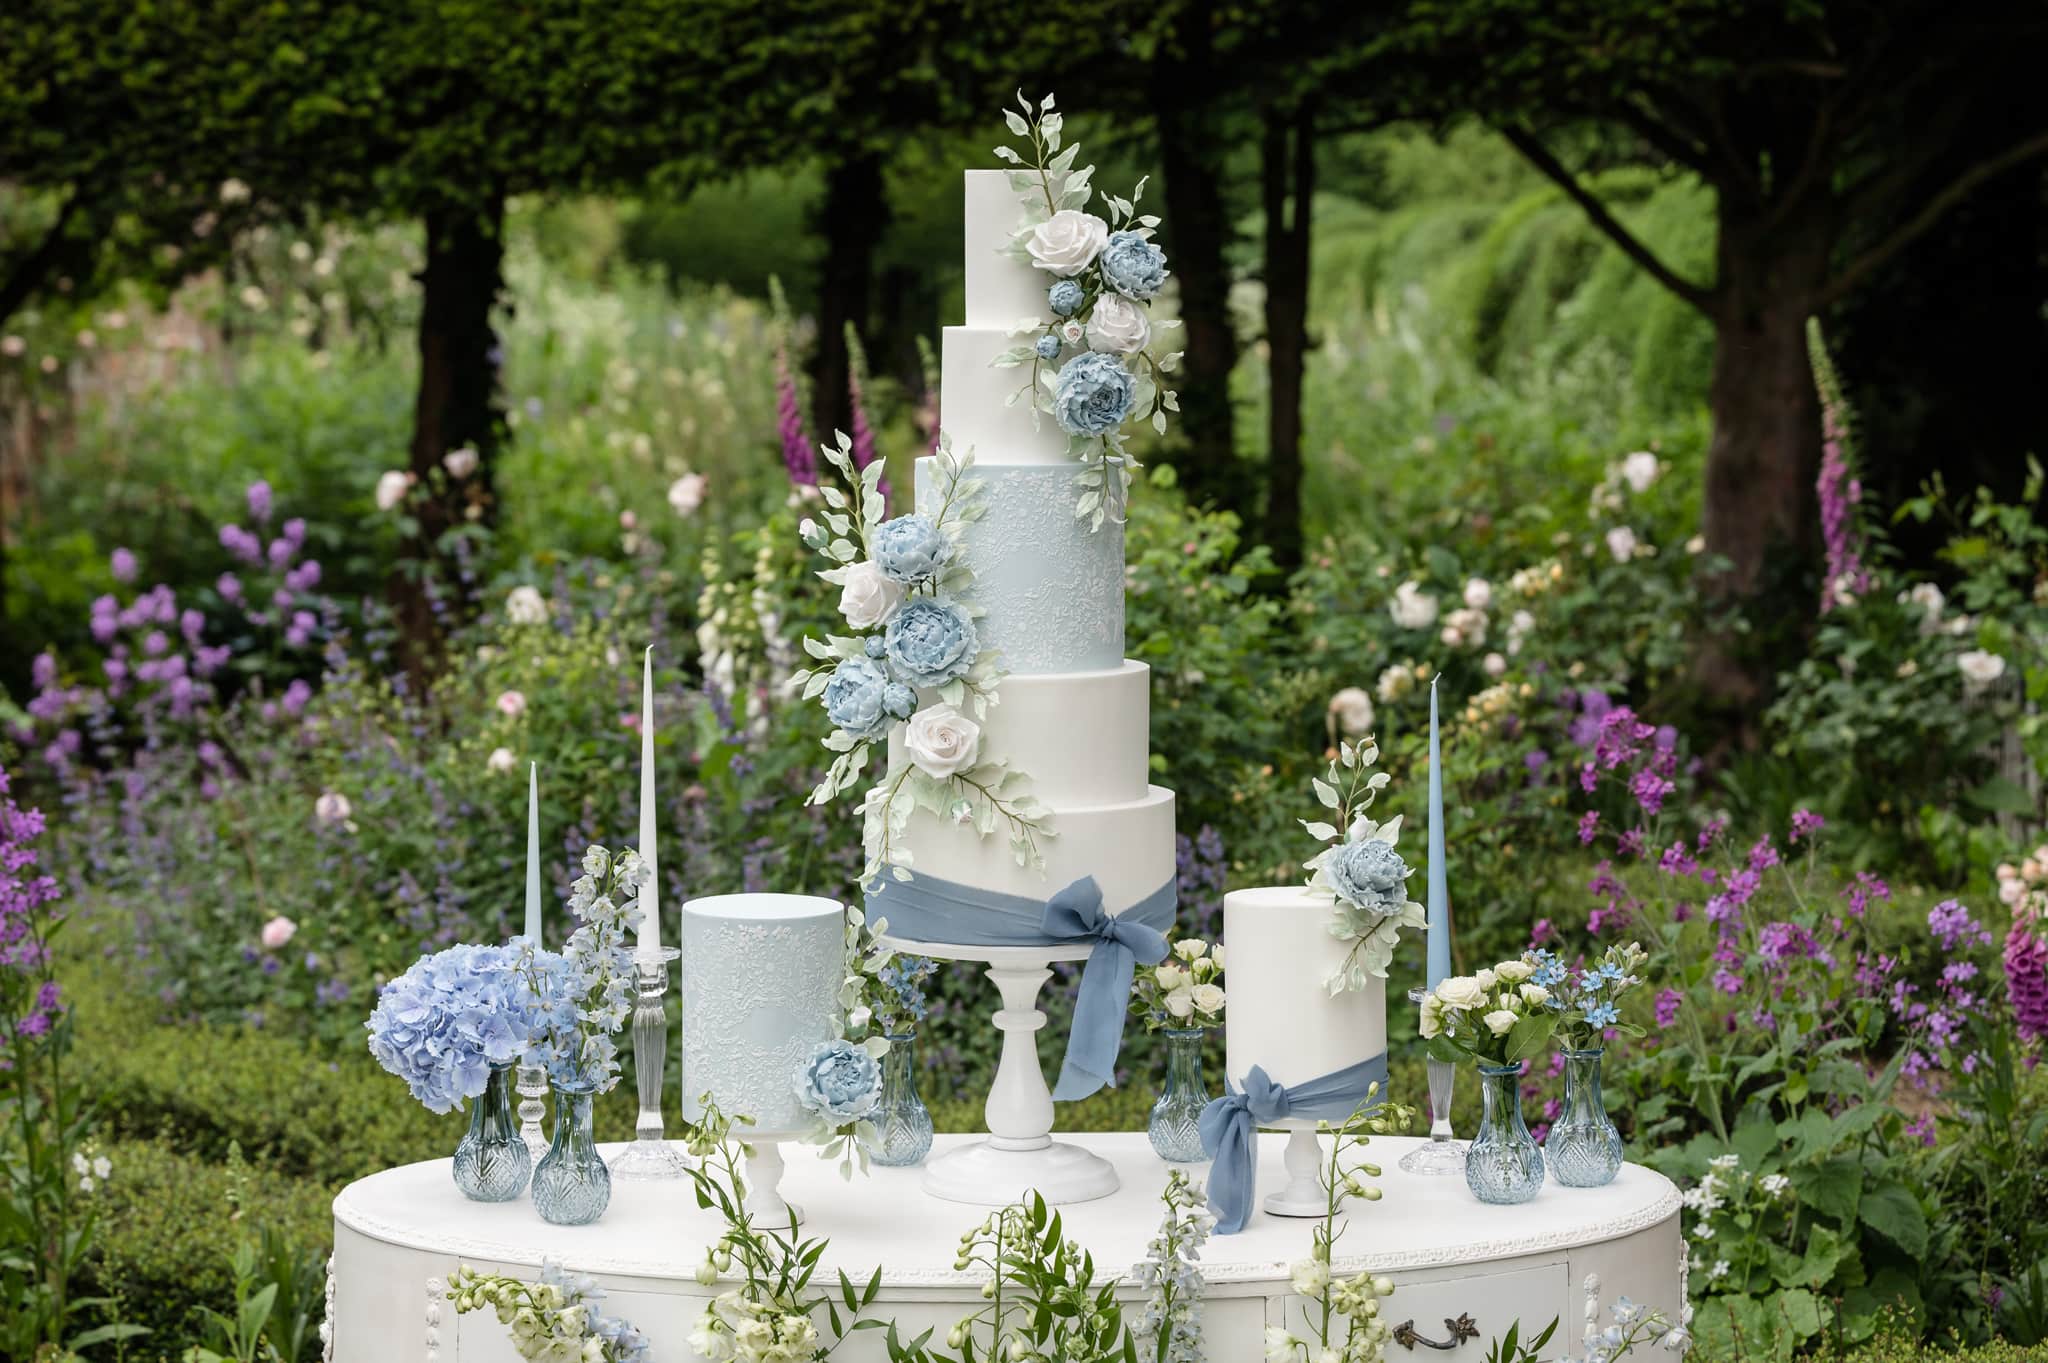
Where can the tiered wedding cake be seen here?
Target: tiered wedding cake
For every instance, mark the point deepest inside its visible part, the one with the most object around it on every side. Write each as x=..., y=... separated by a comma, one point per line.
x=1072, y=712
x=1283, y=1018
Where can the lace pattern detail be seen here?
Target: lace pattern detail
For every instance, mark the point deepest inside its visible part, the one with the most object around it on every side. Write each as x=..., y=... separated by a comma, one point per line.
x=1053, y=592
x=757, y=998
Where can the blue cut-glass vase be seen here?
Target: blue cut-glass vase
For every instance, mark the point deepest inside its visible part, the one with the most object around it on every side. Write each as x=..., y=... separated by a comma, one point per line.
x=1175, y=1125
x=572, y=1186
x=1502, y=1165
x=1583, y=1147
x=903, y=1124
x=492, y=1162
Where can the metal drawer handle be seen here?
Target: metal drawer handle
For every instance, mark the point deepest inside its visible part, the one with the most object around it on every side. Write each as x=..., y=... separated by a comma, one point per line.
x=1461, y=1330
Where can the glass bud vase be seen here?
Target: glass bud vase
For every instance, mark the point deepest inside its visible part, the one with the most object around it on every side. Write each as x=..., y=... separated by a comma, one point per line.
x=1502, y=1165
x=572, y=1186
x=903, y=1125
x=492, y=1162
x=1175, y=1127
x=1583, y=1147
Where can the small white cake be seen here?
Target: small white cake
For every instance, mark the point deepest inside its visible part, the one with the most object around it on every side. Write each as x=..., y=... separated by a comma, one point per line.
x=1282, y=1016
x=760, y=981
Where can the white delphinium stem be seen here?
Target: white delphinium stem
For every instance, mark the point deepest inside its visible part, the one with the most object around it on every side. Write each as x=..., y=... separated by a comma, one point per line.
x=1171, y=1328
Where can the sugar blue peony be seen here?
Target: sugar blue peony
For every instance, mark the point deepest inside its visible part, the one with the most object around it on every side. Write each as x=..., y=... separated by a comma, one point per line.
x=840, y=1082
x=1368, y=874
x=1093, y=394
x=854, y=699
x=443, y=1024
x=875, y=647
x=931, y=642
x=1047, y=347
x=911, y=549
x=899, y=700
x=1065, y=298
x=1133, y=266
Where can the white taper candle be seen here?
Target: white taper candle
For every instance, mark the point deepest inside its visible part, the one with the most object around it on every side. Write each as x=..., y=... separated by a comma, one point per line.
x=650, y=890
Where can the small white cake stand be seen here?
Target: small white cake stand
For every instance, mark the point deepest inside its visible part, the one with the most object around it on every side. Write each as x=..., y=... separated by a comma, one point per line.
x=1304, y=1194
x=1019, y=1155
x=764, y=1200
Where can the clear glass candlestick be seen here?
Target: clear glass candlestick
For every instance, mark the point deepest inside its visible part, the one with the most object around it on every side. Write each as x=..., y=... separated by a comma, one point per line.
x=1441, y=1155
x=650, y=1156
x=531, y=1084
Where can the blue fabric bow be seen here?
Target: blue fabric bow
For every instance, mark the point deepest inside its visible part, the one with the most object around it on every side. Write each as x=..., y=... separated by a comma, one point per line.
x=1230, y=1126
x=927, y=909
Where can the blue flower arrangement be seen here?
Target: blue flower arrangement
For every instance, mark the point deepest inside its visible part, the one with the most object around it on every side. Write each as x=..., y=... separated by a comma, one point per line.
x=444, y=1023
x=1108, y=272
x=584, y=995
x=1359, y=868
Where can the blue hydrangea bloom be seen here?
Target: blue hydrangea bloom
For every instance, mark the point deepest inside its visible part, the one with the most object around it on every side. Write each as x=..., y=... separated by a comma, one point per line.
x=854, y=697
x=931, y=642
x=911, y=549
x=1065, y=298
x=1093, y=394
x=1048, y=347
x=443, y=1024
x=840, y=1082
x=1368, y=874
x=1133, y=266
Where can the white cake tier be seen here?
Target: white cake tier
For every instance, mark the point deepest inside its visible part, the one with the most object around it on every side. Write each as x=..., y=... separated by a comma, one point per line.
x=761, y=975
x=1000, y=291
x=1081, y=735
x=975, y=406
x=1282, y=1018
x=1127, y=847
x=1051, y=590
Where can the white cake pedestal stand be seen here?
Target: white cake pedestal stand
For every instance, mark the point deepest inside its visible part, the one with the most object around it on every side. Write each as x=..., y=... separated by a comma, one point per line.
x=1019, y=1156
x=1304, y=1194
x=764, y=1201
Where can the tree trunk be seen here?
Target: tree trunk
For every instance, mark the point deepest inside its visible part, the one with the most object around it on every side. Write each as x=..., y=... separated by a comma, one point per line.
x=1288, y=164
x=1198, y=232
x=1759, y=509
x=853, y=218
x=457, y=407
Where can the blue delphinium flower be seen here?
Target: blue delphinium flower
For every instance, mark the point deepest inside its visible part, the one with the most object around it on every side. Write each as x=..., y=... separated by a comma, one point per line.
x=854, y=698
x=911, y=549
x=1093, y=394
x=443, y=1024
x=1065, y=298
x=931, y=642
x=840, y=1082
x=1133, y=266
x=1369, y=874
x=1047, y=347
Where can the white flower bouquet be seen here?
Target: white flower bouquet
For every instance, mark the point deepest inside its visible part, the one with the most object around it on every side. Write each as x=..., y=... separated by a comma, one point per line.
x=1499, y=1016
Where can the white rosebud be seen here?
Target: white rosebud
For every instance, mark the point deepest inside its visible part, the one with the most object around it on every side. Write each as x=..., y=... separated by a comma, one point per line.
x=1500, y=1021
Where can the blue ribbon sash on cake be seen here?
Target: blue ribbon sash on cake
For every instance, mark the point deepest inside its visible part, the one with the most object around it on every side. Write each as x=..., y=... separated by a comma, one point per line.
x=927, y=909
x=1230, y=1127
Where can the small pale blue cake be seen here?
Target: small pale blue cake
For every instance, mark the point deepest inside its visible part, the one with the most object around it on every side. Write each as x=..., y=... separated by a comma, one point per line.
x=760, y=977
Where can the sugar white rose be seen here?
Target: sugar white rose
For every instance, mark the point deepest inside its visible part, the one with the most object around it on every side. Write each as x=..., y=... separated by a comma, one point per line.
x=942, y=741
x=1500, y=1022
x=1118, y=325
x=1461, y=992
x=1067, y=243
x=868, y=596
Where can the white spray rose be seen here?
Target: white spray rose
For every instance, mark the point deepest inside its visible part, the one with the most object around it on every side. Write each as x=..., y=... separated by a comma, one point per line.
x=1478, y=593
x=1500, y=1022
x=867, y=595
x=1979, y=669
x=1621, y=543
x=1494, y=665
x=1514, y=972
x=1068, y=242
x=942, y=741
x=1461, y=992
x=1181, y=1002
x=1209, y=998
x=526, y=606
x=1639, y=470
x=1170, y=977
x=1118, y=326
x=1352, y=709
x=1413, y=608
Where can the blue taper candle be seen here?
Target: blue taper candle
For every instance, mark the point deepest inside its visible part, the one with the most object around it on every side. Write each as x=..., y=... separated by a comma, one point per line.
x=1439, y=886
x=533, y=851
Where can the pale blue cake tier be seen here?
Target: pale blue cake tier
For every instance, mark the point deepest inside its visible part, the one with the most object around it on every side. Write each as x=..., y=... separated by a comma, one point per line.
x=760, y=982
x=1052, y=590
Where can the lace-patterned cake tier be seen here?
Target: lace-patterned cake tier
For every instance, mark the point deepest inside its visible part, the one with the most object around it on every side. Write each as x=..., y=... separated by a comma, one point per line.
x=760, y=978
x=1052, y=590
